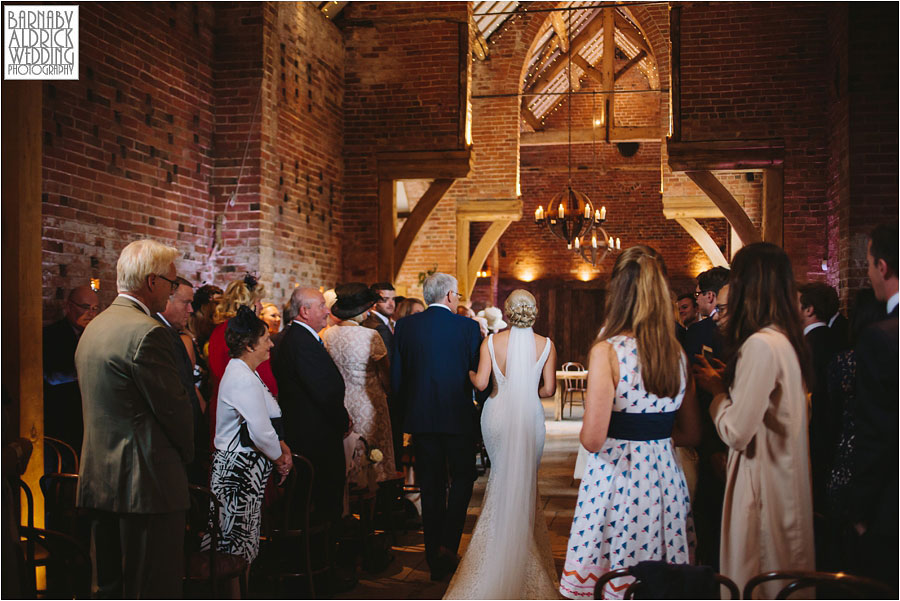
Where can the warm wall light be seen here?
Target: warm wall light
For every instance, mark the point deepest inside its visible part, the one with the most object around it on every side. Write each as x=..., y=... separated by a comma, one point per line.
x=527, y=275
x=95, y=284
x=585, y=275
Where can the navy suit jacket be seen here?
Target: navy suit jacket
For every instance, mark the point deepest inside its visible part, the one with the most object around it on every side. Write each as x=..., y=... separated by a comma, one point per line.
x=432, y=355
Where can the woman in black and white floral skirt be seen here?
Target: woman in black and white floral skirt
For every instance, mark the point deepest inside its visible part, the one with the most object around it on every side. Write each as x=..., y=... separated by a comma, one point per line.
x=248, y=439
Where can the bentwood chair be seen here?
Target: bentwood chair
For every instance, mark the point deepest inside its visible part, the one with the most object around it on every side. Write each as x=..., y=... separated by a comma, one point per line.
x=635, y=589
x=829, y=585
x=206, y=568
x=573, y=386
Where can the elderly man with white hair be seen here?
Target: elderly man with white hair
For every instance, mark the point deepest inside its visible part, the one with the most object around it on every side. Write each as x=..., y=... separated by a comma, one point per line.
x=432, y=355
x=138, y=432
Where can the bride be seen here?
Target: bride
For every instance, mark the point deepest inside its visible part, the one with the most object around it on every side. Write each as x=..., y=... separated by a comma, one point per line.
x=509, y=554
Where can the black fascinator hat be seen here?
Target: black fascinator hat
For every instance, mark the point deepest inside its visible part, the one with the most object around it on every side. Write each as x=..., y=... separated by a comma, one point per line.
x=352, y=299
x=243, y=330
x=250, y=281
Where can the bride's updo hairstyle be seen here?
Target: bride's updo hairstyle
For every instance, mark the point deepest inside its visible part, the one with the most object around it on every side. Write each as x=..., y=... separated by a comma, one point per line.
x=638, y=301
x=521, y=309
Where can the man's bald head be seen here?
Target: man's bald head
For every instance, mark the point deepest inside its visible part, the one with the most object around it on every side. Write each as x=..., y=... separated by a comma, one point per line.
x=82, y=306
x=308, y=304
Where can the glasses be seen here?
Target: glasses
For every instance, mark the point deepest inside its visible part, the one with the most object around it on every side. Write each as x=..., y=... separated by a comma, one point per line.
x=172, y=283
x=458, y=295
x=91, y=308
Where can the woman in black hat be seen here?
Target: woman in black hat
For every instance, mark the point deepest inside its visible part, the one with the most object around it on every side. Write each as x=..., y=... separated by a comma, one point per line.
x=362, y=358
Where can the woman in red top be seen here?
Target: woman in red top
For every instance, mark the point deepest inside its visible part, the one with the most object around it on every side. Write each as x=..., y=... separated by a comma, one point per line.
x=249, y=292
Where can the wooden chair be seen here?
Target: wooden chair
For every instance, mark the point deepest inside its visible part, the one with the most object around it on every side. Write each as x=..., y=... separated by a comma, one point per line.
x=573, y=386
x=58, y=455
x=635, y=587
x=846, y=586
x=60, y=511
x=67, y=562
x=207, y=567
x=287, y=554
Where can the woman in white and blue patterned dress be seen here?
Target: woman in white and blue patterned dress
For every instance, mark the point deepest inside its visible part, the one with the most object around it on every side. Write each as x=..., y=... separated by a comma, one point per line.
x=633, y=503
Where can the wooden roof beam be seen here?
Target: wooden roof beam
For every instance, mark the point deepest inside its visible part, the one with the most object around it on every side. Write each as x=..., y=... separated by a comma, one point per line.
x=725, y=155
x=627, y=66
x=585, y=36
x=559, y=27
x=730, y=207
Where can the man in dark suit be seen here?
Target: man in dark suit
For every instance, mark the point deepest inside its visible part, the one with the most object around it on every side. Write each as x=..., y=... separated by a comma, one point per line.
x=875, y=482
x=380, y=319
x=175, y=318
x=825, y=417
x=433, y=353
x=62, y=398
x=837, y=323
x=138, y=433
x=703, y=337
x=311, y=395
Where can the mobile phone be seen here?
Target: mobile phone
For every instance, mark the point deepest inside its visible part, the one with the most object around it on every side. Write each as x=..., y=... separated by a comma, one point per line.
x=706, y=352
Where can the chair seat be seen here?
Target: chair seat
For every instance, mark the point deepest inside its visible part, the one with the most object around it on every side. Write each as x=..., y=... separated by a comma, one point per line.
x=227, y=565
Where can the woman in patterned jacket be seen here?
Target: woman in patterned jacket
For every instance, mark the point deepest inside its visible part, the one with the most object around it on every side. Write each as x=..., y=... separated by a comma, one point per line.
x=248, y=440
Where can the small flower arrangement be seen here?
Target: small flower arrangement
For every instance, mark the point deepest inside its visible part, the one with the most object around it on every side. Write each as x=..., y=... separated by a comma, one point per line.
x=373, y=454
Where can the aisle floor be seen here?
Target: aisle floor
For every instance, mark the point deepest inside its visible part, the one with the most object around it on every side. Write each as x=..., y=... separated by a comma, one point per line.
x=408, y=577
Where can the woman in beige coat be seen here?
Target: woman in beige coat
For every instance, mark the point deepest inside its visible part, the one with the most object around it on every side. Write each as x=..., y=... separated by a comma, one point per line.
x=761, y=413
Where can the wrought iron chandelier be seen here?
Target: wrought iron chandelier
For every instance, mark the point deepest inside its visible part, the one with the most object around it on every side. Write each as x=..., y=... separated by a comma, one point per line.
x=570, y=214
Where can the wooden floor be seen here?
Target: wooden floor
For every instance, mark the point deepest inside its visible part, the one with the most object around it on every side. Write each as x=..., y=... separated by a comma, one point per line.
x=408, y=576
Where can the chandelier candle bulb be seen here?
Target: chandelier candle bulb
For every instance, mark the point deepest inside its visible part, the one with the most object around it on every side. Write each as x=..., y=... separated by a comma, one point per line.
x=594, y=240
x=562, y=210
x=610, y=242
x=587, y=212
x=577, y=244
x=618, y=244
x=597, y=215
x=602, y=213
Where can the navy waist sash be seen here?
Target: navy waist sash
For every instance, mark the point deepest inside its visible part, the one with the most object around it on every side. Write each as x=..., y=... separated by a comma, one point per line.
x=640, y=426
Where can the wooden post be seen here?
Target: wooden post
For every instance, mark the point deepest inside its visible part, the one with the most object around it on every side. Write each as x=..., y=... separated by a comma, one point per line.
x=21, y=320
x=773, y=206
x=675, y=64
x=609, y=57
x=462, y=255
x=387, y=226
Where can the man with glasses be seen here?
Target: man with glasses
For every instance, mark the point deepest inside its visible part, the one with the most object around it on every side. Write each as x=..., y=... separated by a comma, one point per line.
x=703, y=338
x=138, y=433
x=432, y=355
x=62, y=399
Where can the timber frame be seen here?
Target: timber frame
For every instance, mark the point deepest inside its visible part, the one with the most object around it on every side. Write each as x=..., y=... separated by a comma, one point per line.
x=444, y=167
x=501, y=213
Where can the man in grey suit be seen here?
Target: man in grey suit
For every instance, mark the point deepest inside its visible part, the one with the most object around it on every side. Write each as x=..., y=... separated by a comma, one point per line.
x=137, y=432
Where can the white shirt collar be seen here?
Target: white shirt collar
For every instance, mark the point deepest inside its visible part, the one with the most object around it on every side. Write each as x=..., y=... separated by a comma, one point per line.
x=381, y=317
x=813, y=326
x=892, y=302
x=311, y=331
x=833, y=317
x=142, y=305
x=440, y=305
x=164, y=320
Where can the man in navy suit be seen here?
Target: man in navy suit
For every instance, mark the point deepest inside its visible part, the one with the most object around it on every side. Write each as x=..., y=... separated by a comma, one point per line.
x=875, y=483
x=432, y=355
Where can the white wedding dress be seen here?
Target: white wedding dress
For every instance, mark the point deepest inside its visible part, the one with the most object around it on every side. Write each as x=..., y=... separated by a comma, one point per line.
x=509, y=555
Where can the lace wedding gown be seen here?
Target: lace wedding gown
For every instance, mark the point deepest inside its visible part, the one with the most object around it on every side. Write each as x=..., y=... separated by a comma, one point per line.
x=509, y=554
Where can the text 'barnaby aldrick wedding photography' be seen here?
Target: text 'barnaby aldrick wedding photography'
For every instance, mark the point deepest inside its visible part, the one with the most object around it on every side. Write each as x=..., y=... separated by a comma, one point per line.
x=40, y=42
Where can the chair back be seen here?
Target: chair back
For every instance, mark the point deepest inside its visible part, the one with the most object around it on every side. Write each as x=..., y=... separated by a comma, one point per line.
x=67, y=561
x=60, y=512
x=574, y=383
x=62, y=455
x=293, y=509
x=634, y=588
x=842, y=585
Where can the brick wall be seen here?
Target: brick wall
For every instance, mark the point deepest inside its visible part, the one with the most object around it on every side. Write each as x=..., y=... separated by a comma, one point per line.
x=402, y=92
x=757, y=70
x=127, y=147
x=301, y=189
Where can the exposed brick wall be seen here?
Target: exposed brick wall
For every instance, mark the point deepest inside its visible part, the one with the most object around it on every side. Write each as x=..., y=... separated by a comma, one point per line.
x=127, y=147
x=402, y=92
x=302, y=139
x=167, y=116
x=757, y=70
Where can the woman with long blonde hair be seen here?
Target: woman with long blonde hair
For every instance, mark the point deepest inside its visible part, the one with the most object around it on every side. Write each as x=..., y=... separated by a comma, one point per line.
x=633, y=503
